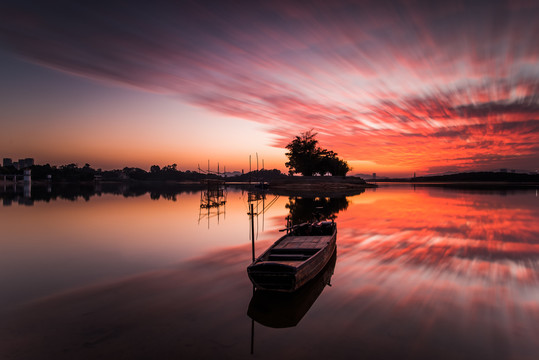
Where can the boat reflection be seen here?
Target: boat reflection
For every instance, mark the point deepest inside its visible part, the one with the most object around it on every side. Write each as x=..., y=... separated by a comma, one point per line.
x=282, y=310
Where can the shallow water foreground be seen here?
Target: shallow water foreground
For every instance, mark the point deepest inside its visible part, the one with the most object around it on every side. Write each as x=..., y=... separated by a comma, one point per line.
x=419, y=274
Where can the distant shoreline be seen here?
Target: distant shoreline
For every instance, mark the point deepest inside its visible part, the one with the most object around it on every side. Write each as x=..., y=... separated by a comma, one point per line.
x=289, y=186
x=471, y=177
x=464, y=184
x=282, y=184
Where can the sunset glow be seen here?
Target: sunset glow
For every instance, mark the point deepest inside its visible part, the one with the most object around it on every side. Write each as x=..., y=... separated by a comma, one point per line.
x=392, y=87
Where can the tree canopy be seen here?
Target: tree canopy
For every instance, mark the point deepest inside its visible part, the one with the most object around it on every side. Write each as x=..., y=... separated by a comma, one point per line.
x=307, y=158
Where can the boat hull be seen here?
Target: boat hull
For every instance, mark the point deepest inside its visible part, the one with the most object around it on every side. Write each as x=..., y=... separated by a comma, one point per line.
x=282, y=309
x=287, y=276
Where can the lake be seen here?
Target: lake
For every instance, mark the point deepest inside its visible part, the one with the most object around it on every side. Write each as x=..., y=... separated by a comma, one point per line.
x=420, y=272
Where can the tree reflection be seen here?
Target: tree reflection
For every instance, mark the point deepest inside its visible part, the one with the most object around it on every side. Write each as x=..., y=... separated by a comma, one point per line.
x=85, y=191
x=305, y=209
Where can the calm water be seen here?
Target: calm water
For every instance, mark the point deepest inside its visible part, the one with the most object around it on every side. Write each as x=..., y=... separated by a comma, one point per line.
x=419, y=273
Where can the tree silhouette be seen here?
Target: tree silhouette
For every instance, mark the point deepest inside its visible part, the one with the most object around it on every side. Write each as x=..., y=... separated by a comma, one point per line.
x=307, y=158
x=303, y=154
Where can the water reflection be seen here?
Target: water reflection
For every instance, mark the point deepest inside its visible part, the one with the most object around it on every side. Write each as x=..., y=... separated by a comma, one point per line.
x=454, y=260
x=281, y=310
x=305, y=209
x=29, y=193
x=425, y=274
x=212, y=201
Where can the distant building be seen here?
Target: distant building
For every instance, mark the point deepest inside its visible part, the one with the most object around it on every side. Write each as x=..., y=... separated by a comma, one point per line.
x=7, y=162
x=374, y=176
x=25, y=163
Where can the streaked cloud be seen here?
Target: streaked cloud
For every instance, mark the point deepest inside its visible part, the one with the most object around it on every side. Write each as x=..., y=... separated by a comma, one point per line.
x=424, y=85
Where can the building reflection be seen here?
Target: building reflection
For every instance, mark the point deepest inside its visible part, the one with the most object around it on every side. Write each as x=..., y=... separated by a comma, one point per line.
x=19, y=192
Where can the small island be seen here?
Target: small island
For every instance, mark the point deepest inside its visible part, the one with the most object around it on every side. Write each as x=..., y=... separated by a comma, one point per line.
x=321, y=170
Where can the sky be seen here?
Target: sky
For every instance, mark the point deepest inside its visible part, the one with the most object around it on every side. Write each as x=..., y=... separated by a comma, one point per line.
x=394, y=87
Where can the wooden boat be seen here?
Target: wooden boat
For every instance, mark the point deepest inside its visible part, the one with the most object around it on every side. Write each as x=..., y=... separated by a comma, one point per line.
x=282, y=309
x=295, y=258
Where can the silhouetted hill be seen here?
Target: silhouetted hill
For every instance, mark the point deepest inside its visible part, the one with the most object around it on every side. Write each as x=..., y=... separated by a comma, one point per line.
x=474, y=177
x=370, y=177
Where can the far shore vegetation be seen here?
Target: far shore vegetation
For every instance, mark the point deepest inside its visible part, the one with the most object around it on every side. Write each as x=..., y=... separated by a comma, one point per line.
x=74, y=173
x=305, y=158
x=318, y=166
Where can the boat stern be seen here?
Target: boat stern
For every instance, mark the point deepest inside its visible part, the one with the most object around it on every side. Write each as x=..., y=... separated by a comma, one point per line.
x=273, y=276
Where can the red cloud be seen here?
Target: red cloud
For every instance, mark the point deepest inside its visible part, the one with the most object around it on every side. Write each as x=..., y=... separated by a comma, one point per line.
x=419, y=85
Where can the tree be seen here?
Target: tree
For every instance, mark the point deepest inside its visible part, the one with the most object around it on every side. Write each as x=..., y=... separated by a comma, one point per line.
x=303, y=154
x=306, y=158
x=170, y=168
x=330, y=163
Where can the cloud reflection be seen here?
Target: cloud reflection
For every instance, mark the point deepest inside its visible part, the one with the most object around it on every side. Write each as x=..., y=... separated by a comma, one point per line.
x=420, y=274
x=470, y=251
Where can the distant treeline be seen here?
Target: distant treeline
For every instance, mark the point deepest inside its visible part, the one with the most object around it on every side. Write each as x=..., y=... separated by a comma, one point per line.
x=260, y=175
x=475, y=177
x=74, y=173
